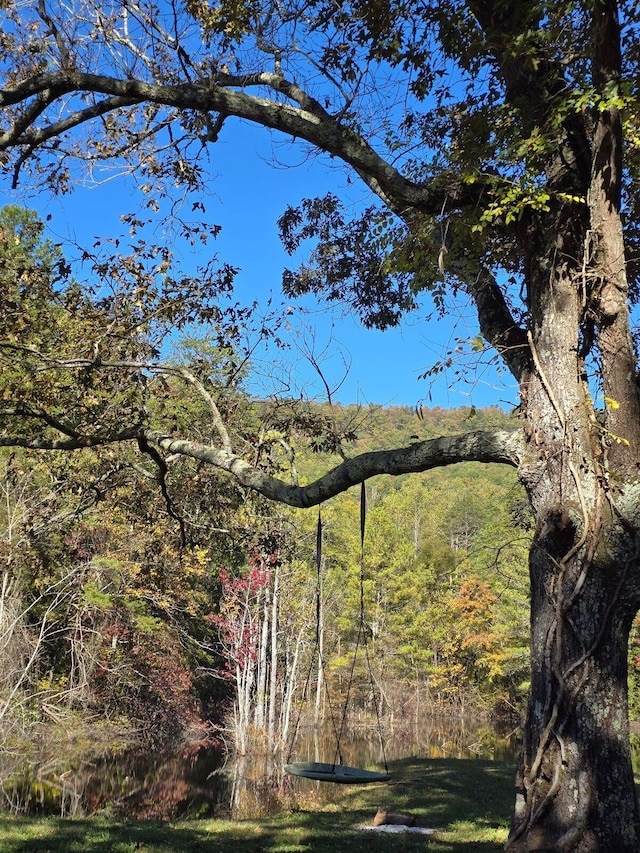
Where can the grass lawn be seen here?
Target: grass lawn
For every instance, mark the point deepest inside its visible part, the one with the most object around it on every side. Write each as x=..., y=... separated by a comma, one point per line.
x=468, y=801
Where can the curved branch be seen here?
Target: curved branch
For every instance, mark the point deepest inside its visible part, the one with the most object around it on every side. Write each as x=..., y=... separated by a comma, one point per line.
x=279, y=84
x=497, y=324
x=309, y=122
x=475, y=446
x=79, y=443
x=35, y=109
x=218, y=423
x=481, y=446
x=19, y=135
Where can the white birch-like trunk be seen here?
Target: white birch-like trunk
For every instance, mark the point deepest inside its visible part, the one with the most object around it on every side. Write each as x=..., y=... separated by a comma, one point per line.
x=262, y=661
x=273, y=665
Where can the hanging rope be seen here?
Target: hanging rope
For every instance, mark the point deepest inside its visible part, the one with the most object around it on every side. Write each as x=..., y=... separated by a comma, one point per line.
x=363, y=515
x=361, y=639
x=317, y=654
x=337, y=772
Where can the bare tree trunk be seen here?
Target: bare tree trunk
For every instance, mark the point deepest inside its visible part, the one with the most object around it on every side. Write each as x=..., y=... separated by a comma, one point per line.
x=289, y=689
x=273, y=666
x=245, y=671
x=262, y=666
x=245, y=679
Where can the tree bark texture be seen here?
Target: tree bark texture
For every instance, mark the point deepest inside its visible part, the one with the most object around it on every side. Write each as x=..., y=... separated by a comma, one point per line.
x=575, y=779
x=576, y=792
x=575, y=783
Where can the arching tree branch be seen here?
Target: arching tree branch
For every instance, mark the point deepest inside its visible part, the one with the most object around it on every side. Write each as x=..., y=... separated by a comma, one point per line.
x=478, y=446
x=310, y=122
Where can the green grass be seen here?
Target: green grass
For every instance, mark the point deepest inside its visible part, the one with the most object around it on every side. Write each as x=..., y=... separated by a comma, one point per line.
x=468, y=801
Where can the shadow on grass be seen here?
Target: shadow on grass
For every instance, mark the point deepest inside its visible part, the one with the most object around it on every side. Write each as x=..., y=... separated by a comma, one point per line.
x=449, y=790
x=468, y=800
x=100, y=835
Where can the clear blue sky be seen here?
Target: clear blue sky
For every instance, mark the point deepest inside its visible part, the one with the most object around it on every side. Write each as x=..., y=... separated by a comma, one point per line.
x=257, y=175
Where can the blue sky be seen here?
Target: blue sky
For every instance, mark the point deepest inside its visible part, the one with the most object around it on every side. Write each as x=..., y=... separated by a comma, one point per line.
x=256, y=176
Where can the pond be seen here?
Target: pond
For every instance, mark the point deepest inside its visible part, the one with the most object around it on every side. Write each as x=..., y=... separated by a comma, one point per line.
x=199, y=781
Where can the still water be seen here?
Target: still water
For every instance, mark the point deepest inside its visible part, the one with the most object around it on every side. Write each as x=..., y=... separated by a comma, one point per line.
x=199, y=781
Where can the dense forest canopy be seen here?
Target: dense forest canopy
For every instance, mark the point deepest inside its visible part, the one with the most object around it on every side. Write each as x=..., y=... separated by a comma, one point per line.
x=499, y=144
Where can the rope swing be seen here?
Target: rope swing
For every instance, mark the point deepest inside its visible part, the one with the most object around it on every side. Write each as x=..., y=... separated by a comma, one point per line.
x=336, y=771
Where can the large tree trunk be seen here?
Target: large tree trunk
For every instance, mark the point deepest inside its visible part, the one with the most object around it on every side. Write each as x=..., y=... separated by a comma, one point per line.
x=575, y=780
x=575, y=788
x=575, y=783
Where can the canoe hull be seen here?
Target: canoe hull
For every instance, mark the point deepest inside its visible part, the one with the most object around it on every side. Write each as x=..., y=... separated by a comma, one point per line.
x=337, y=773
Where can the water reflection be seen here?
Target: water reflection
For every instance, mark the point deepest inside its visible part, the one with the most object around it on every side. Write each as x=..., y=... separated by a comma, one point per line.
x=197, y=781
x=136, y=784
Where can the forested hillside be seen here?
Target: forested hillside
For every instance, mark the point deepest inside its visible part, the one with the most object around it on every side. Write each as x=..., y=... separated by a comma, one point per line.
x=444, y=567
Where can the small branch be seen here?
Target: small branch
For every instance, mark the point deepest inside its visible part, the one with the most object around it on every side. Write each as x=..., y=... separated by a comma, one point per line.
x=214, y=126
x=37, y=136
x=150, y=451
x=55, y=32
x=21, y=411
x=497, y=324
x=79, y=443
x=221, y=429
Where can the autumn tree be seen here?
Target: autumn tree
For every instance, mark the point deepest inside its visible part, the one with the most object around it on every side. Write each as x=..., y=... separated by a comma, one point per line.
x=103, y=595
x=490, y=136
